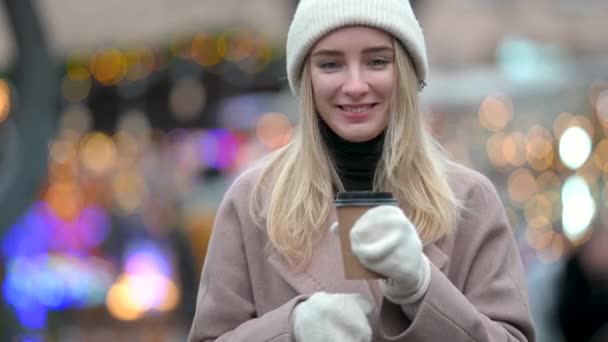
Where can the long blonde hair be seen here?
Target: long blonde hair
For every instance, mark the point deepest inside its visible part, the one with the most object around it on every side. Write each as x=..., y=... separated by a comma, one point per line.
x=297, y=179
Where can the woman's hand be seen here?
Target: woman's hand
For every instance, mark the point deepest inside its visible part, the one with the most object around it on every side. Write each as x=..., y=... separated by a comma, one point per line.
x=385, y=241
x=332, y=317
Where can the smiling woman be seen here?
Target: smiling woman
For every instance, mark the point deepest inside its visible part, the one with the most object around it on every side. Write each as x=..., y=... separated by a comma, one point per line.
x=446, y=253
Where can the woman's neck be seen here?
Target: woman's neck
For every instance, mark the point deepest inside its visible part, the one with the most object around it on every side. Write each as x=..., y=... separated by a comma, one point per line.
x=355, y=162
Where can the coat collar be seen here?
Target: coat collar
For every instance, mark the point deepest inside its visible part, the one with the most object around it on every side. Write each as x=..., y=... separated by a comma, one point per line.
x=325, y=271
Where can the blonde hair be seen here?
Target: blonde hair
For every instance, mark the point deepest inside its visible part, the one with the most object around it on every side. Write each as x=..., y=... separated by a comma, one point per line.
x=298, y=178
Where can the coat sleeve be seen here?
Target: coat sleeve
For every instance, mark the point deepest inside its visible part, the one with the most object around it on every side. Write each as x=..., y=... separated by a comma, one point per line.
x=492, y=304
x=225, y=309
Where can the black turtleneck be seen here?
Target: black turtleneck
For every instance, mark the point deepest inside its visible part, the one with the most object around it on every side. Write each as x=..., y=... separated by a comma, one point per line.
x=355, y=161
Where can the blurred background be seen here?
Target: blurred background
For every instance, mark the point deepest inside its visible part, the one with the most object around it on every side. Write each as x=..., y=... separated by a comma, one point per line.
x=122, y=123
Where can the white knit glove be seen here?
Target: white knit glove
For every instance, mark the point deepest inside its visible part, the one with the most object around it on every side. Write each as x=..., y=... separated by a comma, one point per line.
x=328, y=317
x=385, y=241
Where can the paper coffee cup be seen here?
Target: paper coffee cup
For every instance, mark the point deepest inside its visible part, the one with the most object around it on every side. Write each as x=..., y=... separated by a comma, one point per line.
x=350, y=206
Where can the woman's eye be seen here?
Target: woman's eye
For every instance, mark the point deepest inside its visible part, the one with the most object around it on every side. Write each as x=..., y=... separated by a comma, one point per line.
x=378, y=62
x=328, y=65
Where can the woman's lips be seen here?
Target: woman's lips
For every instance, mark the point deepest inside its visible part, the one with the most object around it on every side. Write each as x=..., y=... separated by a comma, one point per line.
x=357, y=112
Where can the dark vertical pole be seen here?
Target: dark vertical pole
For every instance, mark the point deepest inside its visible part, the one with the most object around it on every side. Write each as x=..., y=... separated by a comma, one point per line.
x=28, y=129
x=33, y=114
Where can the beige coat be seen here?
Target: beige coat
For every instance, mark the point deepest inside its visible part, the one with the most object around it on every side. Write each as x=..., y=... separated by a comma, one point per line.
x=477, y=289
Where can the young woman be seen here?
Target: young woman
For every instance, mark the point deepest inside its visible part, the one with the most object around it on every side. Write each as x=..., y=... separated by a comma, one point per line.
x=273, y=271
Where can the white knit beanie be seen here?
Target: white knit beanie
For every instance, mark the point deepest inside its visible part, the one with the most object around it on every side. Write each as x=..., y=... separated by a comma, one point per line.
x=314, y=19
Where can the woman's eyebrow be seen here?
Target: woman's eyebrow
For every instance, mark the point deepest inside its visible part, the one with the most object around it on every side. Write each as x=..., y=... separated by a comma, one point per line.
x=375, y=49
x=372, y=49
x=326, y=52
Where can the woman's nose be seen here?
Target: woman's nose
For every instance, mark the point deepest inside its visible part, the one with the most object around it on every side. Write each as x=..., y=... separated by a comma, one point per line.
x=355, y=86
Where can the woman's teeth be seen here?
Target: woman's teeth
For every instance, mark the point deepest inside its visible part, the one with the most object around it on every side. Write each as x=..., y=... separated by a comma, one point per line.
x=358, y=109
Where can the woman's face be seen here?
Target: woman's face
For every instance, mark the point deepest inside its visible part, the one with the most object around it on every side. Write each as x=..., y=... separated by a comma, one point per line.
x=353, y=73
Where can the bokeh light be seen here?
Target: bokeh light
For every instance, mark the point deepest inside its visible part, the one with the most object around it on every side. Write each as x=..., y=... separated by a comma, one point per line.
x=187, y=99
x=574, y=147
x=521, y=185
x=146, y=284
x=98, y=152
x=578, y=207
x=561, y=123
x=539, y=148
x=5, y=102
x=76, y=118
x=205, y=50
x=219, y=148
x=540, y=205
x=496, y=112
x=600, y=156
x=494, y=148
x=135, y=126
x=129, y=191
x=140, y=63
x=76, y=84
x=514, y=149
x=109, y=66
x=65, y=199
x=274, y=130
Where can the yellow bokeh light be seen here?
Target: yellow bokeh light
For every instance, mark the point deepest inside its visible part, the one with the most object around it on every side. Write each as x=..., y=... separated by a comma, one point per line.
x=65, y=198
x=62, y=151
x=600, y=155
x=67, y=172
x=539, y=238
x=98, y=153
x=78, y=72
x=495, y=112
x=76, y=85
x=5, y=100
x=139, y=63
x=129, y=190
x=131, y=296
x=204, y=50
x=121, y=303
x=539, y=223
x=548, y=181
x=240, y=45
x=521, y=185
x=495, y=150
x=172, y=298
x=274, y=130
x=541, y=206
x=127, y=146
x=514, y=149
x=539, y=148
x=108, y=67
